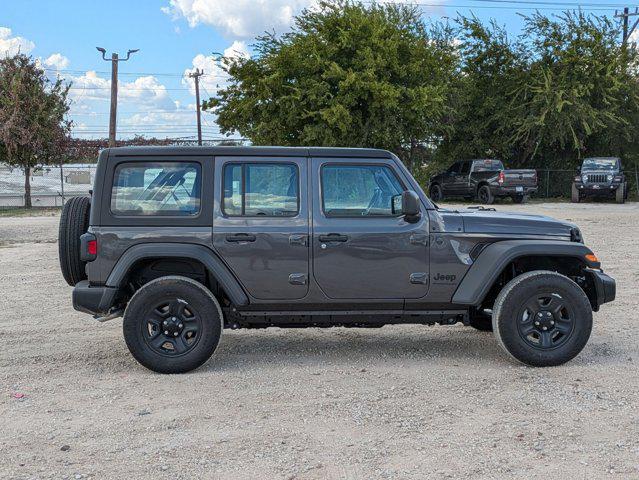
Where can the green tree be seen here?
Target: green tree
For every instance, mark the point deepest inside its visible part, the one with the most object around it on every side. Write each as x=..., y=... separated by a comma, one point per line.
x=492, y=65
x=33, y=127
x=579, y=95
x=348, y=74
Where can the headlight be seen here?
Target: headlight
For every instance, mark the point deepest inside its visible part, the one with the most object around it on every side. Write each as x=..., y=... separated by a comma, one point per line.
x=577, y=178
x=584, y=178
x=609, y=178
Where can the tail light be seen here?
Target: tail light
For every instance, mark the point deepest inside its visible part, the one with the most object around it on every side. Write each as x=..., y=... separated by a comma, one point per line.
x=88, y=247
x=501, y=178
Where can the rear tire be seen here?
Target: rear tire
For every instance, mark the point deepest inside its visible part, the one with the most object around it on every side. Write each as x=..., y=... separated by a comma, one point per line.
x=575, y=197
x=542, y=318
x=74, y=222
x=620, y=194
x=485, y=196
x=436, y=193
x=172, y=324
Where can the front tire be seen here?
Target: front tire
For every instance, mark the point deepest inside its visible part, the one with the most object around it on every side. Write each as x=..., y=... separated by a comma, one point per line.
x=575, y=197
x=542, y=319
x=436, y=193
x=172, y=324
x=620, y=194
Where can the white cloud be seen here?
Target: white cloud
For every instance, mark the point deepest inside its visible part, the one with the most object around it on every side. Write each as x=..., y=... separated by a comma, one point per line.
x=144, y=91
x=57, y=61
x=10, y=46
x=238, y=18
x=214, y=77
x=249, y=18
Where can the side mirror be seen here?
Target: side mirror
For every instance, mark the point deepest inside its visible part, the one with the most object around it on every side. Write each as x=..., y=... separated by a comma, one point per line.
x=407, y=204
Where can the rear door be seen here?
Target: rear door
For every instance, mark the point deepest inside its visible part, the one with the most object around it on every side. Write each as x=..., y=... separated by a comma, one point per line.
x=361, y=250
x=260, y=224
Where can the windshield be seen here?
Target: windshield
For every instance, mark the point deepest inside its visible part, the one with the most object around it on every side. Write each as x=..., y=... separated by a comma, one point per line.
x=600, y=164
x=487, y=165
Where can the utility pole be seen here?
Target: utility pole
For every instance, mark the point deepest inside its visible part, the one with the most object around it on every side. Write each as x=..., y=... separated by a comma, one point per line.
x=196, y=76
x=627, y=32
x=115, y=59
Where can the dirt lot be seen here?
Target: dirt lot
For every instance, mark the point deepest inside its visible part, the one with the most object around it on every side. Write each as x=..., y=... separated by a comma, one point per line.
x=401, y=402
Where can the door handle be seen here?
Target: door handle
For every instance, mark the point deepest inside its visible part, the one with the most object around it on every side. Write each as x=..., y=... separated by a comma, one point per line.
x=333, y=237
x=241, y=237
x=297, y=240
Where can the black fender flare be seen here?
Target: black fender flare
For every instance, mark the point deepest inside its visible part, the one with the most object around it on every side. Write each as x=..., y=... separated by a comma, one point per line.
x=196, y=252
x=495, y=257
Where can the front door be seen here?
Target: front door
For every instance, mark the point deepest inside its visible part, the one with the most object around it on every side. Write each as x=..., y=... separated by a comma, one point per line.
x=450, y=178
x=361, y=250
x=260, y=224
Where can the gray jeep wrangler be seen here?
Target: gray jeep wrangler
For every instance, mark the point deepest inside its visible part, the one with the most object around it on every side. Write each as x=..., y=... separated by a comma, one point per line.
x=185, y=242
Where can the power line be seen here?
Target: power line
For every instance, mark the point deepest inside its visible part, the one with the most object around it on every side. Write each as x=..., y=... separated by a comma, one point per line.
x=155, y=74
x=500, y=7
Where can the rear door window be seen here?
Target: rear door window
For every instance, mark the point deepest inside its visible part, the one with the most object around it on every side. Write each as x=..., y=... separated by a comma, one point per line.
x=156, y=189
x=261, y=189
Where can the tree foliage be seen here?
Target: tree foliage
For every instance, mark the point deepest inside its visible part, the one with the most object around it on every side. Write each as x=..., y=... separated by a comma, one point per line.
x=346, y=75
x=372, y=75
x=33, y=125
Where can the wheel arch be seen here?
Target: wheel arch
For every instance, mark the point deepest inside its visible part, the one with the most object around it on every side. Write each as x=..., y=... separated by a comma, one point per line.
x=140, y=254
x=501, y=261
x=480, y=184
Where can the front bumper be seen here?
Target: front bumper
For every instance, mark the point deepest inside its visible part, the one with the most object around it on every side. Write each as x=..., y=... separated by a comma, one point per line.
x=93, y=300
x=597, y=188
x=605, y=287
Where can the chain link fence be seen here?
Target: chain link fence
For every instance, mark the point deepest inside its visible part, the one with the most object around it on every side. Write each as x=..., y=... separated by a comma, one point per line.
x=50, y=185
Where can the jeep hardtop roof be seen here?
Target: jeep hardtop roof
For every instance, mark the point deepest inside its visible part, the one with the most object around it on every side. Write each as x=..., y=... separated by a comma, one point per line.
x=248, y=151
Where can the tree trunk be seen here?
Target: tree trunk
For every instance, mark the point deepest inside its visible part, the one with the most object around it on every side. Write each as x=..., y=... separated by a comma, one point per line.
x=27, y=187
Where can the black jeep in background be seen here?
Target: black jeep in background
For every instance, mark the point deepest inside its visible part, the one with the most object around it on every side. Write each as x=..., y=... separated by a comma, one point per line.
x=600, y=177
x=484, y=180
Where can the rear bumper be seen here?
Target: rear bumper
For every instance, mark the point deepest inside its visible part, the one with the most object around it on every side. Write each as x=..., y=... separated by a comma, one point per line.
x=93, y=300
x=512, y=191
x=605, y=286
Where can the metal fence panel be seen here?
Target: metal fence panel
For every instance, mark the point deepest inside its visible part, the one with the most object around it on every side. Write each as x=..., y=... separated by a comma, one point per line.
x=50, y=185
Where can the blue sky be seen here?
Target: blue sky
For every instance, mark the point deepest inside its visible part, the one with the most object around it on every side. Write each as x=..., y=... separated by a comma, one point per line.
x=174, y=36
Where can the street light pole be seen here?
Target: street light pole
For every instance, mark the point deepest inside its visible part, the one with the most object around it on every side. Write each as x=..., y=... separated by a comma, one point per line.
x=115, y=59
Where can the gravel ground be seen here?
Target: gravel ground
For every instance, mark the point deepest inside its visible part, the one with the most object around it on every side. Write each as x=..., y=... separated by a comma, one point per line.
x=408, y=402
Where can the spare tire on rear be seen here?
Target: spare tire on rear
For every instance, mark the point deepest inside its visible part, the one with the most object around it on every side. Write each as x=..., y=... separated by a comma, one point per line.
x=74, y=222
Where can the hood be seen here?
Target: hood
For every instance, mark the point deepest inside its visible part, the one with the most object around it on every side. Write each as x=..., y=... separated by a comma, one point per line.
x=491, y=221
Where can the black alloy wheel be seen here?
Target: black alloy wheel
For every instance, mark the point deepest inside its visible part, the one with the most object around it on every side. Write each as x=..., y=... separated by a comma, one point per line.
x=546, y=320
x=172, y=328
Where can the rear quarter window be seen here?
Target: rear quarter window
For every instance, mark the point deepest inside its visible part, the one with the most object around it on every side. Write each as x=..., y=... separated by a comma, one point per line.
x=487, y=165
x=156, y=189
